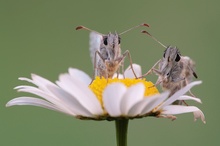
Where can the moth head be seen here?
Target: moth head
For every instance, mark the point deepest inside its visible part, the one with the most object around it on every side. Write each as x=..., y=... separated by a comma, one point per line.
x=111, y=40
x=172, y=54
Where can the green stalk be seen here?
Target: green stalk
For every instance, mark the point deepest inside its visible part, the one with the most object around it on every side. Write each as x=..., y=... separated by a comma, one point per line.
x=121, y=131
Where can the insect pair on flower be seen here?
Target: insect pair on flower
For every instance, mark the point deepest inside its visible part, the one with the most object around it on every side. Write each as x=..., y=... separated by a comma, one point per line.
x=174, y=71
x=126, y=96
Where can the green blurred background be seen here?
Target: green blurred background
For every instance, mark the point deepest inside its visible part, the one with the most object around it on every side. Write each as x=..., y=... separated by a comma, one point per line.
x=38, y=36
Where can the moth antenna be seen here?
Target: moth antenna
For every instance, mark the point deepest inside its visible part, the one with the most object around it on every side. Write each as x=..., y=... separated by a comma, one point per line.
x=146, y=32
x=83, y=27
x=143, y=24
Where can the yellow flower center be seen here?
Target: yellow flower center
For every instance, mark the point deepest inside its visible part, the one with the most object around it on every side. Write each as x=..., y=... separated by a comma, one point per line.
x=99, y=84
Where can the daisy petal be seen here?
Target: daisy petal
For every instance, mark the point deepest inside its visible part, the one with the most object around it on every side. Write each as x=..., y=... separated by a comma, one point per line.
x=26, y=79
x=157, y=100
x=41, y=82
x=137, y=69
x=34, y=102
x=38, y=92
x=136, y=109
x=186, y=97
x=182, y=91
x=179, y=109
x=81, y=92
x=134, y=94
x=112, y=97
x=147, y=104
x=70, y=102
x=80, y=75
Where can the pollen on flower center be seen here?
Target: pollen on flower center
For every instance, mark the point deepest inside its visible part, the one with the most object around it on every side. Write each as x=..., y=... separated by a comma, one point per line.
x=99, y=84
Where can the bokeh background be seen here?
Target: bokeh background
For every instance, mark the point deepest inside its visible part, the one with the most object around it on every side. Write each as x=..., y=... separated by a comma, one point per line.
x=38, y=36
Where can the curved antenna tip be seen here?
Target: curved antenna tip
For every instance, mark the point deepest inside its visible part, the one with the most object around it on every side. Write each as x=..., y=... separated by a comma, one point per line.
x=79, y=27
x=145, y=24
x=144, y=31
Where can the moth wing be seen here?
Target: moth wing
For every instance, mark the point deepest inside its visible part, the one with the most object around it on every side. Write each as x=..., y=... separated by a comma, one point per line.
x=94, y=45
x=189, y=67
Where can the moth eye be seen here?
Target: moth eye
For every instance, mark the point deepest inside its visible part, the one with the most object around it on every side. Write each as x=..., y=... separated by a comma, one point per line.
x=119, y=40
x=164, y=55
x=177, y=58
x=105, y=41
x=168, y=74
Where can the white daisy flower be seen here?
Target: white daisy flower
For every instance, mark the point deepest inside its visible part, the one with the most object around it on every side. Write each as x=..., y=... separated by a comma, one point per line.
x=105, y=99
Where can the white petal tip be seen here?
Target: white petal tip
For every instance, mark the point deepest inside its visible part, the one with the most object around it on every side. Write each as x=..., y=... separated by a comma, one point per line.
x=22, y=78
x=199, y=115
x=10, y=103
x=197, y=82
x=204, y=122
x=7, y=105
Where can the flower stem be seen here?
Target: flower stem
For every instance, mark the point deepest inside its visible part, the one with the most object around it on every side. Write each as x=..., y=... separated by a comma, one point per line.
x=121, y=131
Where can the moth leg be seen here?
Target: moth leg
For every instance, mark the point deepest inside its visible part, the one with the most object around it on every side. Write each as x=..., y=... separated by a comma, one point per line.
x=190, y=92
x=127, y=53
x=157, y=83
x=156, y=71
x=122, y=68
x=152, y=69
x=159, y=80
x=118, y=71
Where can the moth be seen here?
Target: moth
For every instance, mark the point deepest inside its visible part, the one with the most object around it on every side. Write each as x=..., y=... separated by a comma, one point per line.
x=105, y=52
x=174, y=71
